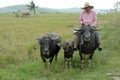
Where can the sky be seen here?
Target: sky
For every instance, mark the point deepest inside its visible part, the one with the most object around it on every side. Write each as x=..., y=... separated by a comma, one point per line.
x=60, y=4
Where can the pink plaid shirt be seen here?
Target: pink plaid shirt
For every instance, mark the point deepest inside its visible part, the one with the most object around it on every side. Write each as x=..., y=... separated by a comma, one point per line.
x=88, y=18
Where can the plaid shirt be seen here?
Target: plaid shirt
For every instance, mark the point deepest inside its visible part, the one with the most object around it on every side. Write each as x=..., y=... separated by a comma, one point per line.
x=88, y=18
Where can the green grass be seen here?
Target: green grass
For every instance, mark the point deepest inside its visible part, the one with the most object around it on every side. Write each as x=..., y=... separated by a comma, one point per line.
x=19, y=49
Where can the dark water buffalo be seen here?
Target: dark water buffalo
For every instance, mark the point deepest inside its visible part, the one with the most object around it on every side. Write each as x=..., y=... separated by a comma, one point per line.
x=87, y=43
x=25, y=14
x=49, y=47
x=68, y=47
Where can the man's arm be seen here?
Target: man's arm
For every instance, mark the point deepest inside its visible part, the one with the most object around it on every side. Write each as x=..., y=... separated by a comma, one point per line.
x=81, y=19
x=94, y=20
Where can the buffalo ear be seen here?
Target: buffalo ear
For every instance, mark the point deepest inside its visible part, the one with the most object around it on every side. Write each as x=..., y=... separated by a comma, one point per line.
x=73, y=43
x=59, y=44
x=39, y=40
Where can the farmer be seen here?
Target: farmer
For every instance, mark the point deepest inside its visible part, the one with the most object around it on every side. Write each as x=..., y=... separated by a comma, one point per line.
x=88, y=17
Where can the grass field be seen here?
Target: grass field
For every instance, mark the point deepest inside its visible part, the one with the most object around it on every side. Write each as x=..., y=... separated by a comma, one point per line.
x=20, y=56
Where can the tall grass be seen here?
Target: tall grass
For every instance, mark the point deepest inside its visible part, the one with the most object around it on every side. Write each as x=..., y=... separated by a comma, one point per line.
x=19, y=49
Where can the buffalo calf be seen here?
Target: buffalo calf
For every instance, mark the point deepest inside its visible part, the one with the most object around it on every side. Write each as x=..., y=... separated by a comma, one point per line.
x=68, y=47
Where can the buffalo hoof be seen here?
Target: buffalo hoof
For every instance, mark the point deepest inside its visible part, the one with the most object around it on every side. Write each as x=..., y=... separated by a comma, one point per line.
x=90, y=64
x=100, y=49
x=82, y=64
x=81, y=67
x=75, y=49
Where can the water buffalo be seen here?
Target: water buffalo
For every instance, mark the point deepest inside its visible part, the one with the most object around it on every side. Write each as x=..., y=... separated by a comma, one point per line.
x=25, y=14
x=68, y=47
x=87, y=43
x=49, y=47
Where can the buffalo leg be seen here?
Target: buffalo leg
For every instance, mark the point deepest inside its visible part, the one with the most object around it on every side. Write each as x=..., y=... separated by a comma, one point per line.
x=47, y=63
x=90, y=60
x=70, y=64
x=82, y=60
x=56, y=57
x=44, y=60
x=66, y=64
x=82, y=64
x=51, y=59
x=89, y=63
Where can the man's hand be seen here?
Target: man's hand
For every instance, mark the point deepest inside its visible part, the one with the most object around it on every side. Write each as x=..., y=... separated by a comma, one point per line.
x=83, y=24
x=88, y=25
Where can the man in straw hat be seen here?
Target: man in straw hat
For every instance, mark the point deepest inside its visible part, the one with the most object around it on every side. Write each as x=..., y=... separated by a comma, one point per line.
x=88, y=17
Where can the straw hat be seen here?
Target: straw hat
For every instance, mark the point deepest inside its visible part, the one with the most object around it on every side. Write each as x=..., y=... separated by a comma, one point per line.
x=86, y=5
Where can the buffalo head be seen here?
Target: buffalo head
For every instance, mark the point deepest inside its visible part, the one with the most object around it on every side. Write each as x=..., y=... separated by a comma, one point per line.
x=45, y=43
x=66, y=45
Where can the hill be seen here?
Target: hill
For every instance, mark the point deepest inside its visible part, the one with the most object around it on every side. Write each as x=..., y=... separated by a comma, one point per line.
x=23, y=8
x=15, y=8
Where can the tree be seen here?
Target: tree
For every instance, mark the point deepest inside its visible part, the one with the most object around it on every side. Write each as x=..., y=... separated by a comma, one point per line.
x=116, y=18
x=32, y=7
x=117, y=6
